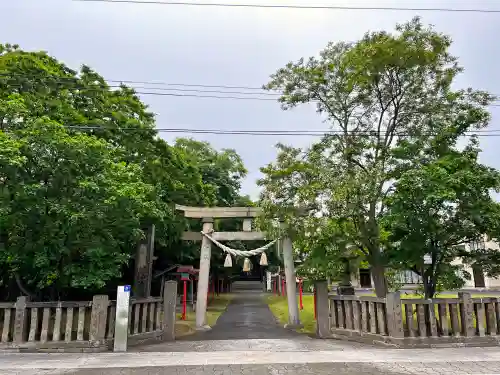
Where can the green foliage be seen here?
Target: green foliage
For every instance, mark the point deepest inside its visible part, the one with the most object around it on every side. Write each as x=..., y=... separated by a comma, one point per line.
x=83, y=172
x=389, y=101
x=221, y=172
x=436, y=210
x=71, y=208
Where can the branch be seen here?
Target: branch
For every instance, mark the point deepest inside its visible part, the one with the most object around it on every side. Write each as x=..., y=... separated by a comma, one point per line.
x=416, y=270
x=383, y=108
x=389, y=136
x=384, y=196
x=363, y=250
x=343, y=124
x=21, y=286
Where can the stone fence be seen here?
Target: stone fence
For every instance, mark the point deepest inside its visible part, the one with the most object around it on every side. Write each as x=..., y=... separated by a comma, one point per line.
x=392, y=321
x=83, y=326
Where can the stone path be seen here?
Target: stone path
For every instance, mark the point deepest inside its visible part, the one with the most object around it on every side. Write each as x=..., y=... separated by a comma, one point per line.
x=457, y=361
x=247, y=325
x=231, y=348
x=246, y=317
x=476, y=368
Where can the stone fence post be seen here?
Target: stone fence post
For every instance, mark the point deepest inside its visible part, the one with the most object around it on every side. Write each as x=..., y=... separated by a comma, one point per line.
x=466, y=313
x=322, y=310
x=98, y=319
x=394, y=315
x=169, y=310
x=21, y=320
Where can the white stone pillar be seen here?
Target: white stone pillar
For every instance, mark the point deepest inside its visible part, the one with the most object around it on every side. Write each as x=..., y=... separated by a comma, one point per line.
x=291, y=288
x=203, y=279
x=121, y=319
x=268, y=281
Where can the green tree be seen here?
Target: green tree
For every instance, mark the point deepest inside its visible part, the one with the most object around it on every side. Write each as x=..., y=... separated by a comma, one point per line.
x=384, y=97
x=37, y=89
x=70, y=209
x=437, y=210
x=222, y=171
x=296, y=192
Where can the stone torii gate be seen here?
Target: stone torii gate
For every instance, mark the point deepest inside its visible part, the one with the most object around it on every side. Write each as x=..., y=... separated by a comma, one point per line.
x=207, y=215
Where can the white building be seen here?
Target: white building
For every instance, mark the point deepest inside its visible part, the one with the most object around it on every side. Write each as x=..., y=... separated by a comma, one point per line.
x=411, y=280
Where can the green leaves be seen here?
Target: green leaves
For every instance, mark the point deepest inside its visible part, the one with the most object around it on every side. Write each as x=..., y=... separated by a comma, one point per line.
x=82, y=172
x=390, y=105
x=439, y=207
x=69, y=201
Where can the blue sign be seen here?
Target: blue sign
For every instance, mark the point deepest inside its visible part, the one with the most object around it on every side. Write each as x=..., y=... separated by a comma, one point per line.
x=126, y=288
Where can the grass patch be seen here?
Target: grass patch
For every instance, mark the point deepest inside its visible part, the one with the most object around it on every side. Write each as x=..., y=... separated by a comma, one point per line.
x=279, y=307
x=443, y=295
x=215, y=308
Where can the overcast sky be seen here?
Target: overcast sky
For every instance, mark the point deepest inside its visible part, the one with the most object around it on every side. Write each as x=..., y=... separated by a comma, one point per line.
x=236, y=47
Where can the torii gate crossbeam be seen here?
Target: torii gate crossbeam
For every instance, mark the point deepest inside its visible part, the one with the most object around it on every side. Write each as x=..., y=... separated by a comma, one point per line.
x=207, y=215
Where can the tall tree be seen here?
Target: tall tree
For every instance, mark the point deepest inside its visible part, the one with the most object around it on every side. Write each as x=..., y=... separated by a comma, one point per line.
x=70, y=209
x=383, y=92
x=436, y=211
x=109, y=125
x=222, y=171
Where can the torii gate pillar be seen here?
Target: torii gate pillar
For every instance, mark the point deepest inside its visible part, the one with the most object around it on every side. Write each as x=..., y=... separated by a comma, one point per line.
x=208, y=214
x=291, y=288
x=204, y=276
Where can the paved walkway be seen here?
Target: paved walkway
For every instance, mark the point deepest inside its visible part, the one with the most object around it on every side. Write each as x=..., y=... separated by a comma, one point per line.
x=248, y=325
x=231, y=348
x=456, y=361
x=246, y=317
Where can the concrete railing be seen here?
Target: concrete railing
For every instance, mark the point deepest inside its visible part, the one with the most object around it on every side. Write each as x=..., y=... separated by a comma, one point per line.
x=145, y=319
x=462, y=321
x=83, y=326
x=365, y=314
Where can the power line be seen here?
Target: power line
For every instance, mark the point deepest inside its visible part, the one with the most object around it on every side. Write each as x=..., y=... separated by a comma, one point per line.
x=198, y=92
x=479, y=133
x=154, y=83
x=291, y=6
x=205, y=96
x=249, y=95
x=192, y=88
x=185, y=84
x=202, y=91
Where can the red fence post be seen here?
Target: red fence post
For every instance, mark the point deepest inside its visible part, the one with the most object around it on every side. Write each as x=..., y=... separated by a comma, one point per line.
x=184, y=301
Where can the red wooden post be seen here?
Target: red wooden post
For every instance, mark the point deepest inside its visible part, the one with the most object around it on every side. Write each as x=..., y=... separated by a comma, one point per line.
x=315, y=313
x=300, y=295
x=213, y=288
x=184, y=301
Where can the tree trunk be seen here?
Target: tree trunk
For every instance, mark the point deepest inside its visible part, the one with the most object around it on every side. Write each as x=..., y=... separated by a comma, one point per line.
x=430, y=290
x=22, y=287
x=379, y=280
x=378, y=272
x=345, y=286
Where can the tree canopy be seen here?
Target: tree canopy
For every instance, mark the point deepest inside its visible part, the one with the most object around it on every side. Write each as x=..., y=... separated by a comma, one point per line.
x=392, y=108
x=436, y=210
x=83, y=172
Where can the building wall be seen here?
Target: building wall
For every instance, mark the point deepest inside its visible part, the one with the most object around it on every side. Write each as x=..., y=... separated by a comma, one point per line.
x=411, y=280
